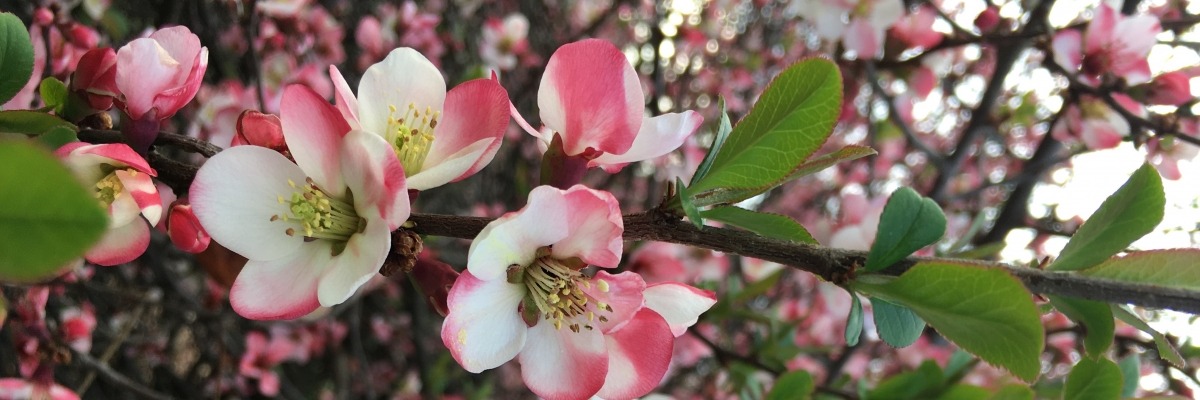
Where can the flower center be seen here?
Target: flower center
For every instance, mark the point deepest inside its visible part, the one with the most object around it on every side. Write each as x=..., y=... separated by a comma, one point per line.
x=321, y=216
x=411, y=135
x=110, y=188
x=554, y=290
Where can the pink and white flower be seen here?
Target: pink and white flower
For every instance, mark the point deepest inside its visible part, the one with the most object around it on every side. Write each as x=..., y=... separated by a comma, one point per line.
x=261, y=356
x=859, y=24
x=1114, y=43
x=1095, y=124
x=156, y=76
x=439, y=137
x=122, y=182
x=504, y=41
x=20, y=389
x=916, y=28
x=525, y=295
x=314, y=230
x=591, y=98
x=159, y=74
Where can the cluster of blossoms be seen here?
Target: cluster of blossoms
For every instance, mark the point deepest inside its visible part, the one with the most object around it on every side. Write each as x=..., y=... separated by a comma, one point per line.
x=315, y=219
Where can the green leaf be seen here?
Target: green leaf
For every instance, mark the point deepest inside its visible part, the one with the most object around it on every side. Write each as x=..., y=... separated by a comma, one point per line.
x=1130, y=213
x=854, y=321
x=1131, y=372
x=57, y=136
x=1013, y=392
x=816, y=164
x=723, y=129
x=897, y=325
x=919, y=384
x=16, y=56
x=54, y=93
x=1174, y=268
x=31, y=123
x=758, y=288
x=795, y=385
x=908, y=223
x=1166, y=349
x=765, y=224
x=1096, y=318
x=689, y=208
x=985, y=311
x=790, y=121
x=1093, y=379
x=725, y=195
x=958, y=365
x=964, y=392
x=44, y=222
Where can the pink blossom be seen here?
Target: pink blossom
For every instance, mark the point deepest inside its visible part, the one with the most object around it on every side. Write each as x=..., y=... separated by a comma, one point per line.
x=1095, y=124
x=77, y=326
x=1172, y=88
x=1114, y=43
x=258, y=129
x=524, y=296
x=1165, y=153
x=159, y=74
x=123, y=184
x=220, y=106
x=504, y=41
x=184, y=229
x=405, y=26
x=859, y=24
x=591, y=98
x=314, y=230
x=96, y=77
x=20, y=389
x=988, y=19
x=261, y=357
x=916, y=28
x=439, y=137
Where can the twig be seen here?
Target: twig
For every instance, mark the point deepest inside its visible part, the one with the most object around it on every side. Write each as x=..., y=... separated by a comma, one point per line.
x=116, y=377
x=182, y=142
x=934, y=157
x=112, y=348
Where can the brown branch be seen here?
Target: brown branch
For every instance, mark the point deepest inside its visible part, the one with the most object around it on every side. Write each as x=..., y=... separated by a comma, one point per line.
x=182, y=142
x=837, y=265
x=116, y=377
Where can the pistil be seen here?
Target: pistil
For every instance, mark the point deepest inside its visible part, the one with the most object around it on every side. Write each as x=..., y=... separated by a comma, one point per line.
x=554, y=288
x=319, y=215
x=411, y=135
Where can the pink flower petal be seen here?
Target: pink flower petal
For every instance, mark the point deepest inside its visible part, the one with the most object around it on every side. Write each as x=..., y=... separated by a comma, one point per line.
x=558, y=364
x=659, y=135
x=141, y=188
x=121, y=244
x=592, y=97
x=1100, y=31
x=84, y=158
x=514, y=238
x=283, y=288
x=594, y=228
x=638, y=356
x=375, y=177
x=404, y=77
x=680, y=304
x=343, y=98
x=474, y=111
x=181, y=44
x=356, y=264
x=144, y=69
x=864, y=39
x=622, y=292
x=235, y=195
x=455, y=165
x=313, y=130
x=1067, y=52
x=483, y=328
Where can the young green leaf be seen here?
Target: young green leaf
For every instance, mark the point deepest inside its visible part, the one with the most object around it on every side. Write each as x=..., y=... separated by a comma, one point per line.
x=57, y=136
x=1096, y=318
x=765, y=224
x=854, y=321
x=985, y=311
x=44, y=222
x=1166, y=349
x=908, y=223
x=1174, y=268
x=31, y=123
x=1130, y=213
x=1013, y=392
x=16, y=56
x=897, y=325
x=1131, y=372
x=920, y=384
x=790, y=121
x=729, y=195
x=1093, y=379
x=685, y=202
x=54, y=93
x=722, y=134
x=964, y=392
x=795, y=385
